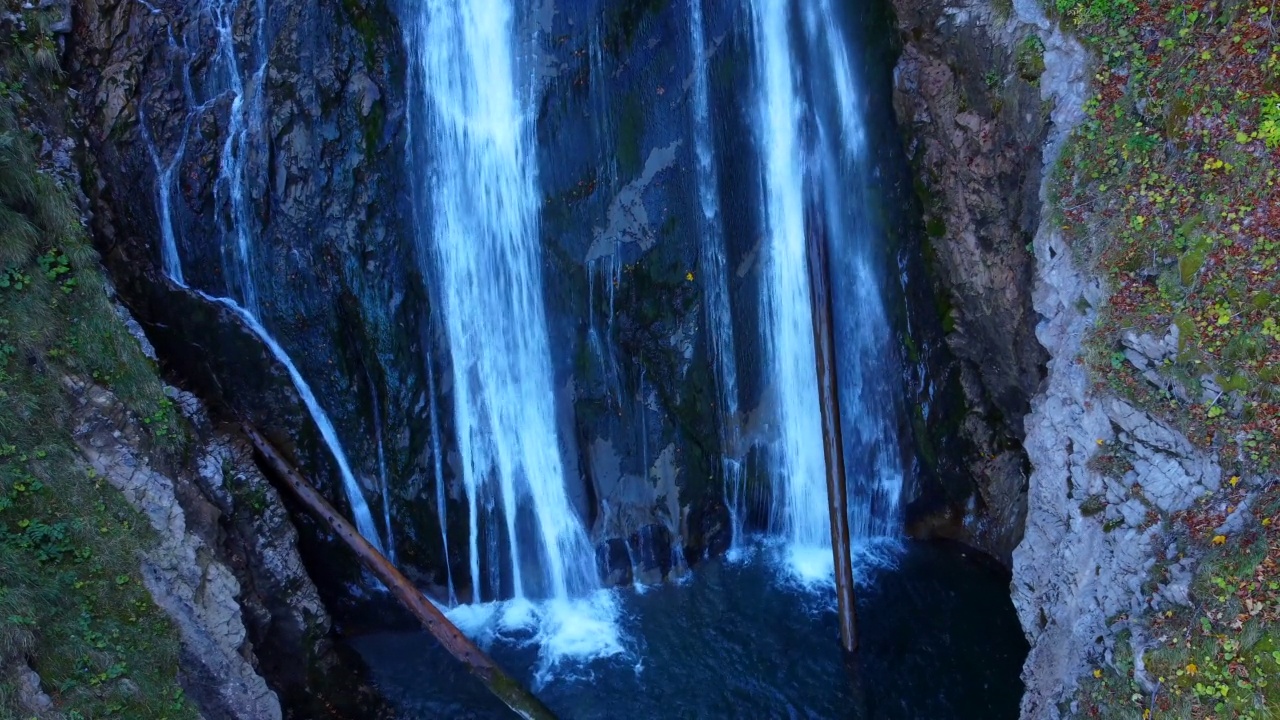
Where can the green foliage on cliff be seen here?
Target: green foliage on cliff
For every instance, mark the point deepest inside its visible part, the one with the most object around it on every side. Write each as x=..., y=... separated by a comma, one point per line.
x=72, y=601
x=1169, y=191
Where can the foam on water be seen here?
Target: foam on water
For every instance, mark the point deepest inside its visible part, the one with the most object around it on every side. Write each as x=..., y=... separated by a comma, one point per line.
x=568, y=633
x=811, y=568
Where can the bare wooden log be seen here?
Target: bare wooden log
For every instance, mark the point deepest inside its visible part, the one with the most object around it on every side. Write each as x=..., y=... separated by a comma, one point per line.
x=832, y=437
x=510, y=692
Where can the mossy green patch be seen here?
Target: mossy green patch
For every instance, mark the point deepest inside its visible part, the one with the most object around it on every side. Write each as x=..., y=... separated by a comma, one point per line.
x=72, y=600
x=630, y=136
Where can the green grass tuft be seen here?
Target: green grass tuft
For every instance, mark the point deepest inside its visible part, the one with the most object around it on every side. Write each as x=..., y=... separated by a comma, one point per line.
x=72, y=602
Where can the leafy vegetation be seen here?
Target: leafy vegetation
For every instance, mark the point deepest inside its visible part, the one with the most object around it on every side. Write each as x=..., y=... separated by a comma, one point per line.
x=1219, y=658
x=72, y=603
x=1169, y=191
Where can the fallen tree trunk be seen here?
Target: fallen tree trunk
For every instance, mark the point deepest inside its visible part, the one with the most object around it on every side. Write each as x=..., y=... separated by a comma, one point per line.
x=832, y=435
x=520, y=700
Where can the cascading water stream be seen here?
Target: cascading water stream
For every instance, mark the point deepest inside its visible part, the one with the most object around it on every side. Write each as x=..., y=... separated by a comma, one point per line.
x=236, y=230
x=797, y=466
x=873, y=457
x=383, y=484
x=716, y=279
x=802, y=90
x=477, y=204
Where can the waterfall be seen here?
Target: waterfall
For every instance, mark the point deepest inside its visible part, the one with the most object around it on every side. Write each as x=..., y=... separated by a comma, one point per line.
x=359, y=508
x=869, y=358
x=236, y=231
x=808, y=130
x=245, y=118
x=477, y=204
x=716, y=279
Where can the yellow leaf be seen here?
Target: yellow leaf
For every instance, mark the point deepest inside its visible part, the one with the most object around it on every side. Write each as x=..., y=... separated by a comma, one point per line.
x=1219, y=539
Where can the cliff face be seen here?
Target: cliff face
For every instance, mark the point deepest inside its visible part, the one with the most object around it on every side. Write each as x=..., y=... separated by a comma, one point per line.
x=990, y=98
x=968, y=96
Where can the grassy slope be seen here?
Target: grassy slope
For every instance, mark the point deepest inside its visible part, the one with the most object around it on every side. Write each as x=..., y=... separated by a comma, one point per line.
x=72, y=602
x=1169, y=190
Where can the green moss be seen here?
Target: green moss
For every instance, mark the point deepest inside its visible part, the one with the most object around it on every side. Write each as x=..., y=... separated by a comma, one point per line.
x=630, y=136
x=1189, y=266
x=948, y=320
x=1029, y=58
x=924, y=439
x=627, y=19
x=366, y=27
x=936, y=227
x=374, y=127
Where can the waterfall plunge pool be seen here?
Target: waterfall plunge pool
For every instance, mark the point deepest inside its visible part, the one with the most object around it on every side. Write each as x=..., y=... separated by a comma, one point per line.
x=939, y=639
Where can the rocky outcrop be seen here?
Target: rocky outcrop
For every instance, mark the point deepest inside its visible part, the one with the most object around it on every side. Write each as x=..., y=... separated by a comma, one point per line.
x=288, y=138
x=182, y=571
x=967, y=90
x=31, y=695
x=256, y=637
x=1093, y=531
x=974, y=86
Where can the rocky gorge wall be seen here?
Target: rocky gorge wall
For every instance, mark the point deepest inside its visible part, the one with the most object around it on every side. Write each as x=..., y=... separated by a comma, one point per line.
x=968, y=97
x=985, y=96
x=989, y=95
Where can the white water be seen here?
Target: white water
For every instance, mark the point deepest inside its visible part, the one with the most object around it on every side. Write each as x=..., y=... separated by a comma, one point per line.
x=237, y=264
x=244, y=122
x=804, y=84
x=359, y=508
x=868, y=354
x=477, y=197
x=716, y=279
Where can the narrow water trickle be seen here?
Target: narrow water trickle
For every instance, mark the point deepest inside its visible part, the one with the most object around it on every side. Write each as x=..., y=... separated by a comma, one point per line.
x=477, y=201
x=716, y=279
x=235, y=228
x=383, y=484
x=437, y=468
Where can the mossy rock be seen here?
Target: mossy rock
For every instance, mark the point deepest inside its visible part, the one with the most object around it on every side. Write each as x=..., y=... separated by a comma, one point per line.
x=1029, y=58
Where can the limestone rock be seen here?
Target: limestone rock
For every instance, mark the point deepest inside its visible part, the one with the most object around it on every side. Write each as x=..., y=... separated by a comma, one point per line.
x=181, y=572
x=974, y=144
x=1076, y=569
x=31, y=695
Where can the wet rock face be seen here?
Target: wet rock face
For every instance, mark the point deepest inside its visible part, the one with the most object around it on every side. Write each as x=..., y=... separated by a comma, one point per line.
x=226, y=567
x=621, y=238
x=968, y=99
x=303, y=155
x=297, y=147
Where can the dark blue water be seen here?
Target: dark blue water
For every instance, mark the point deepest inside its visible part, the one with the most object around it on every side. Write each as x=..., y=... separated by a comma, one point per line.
x=939, y=639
